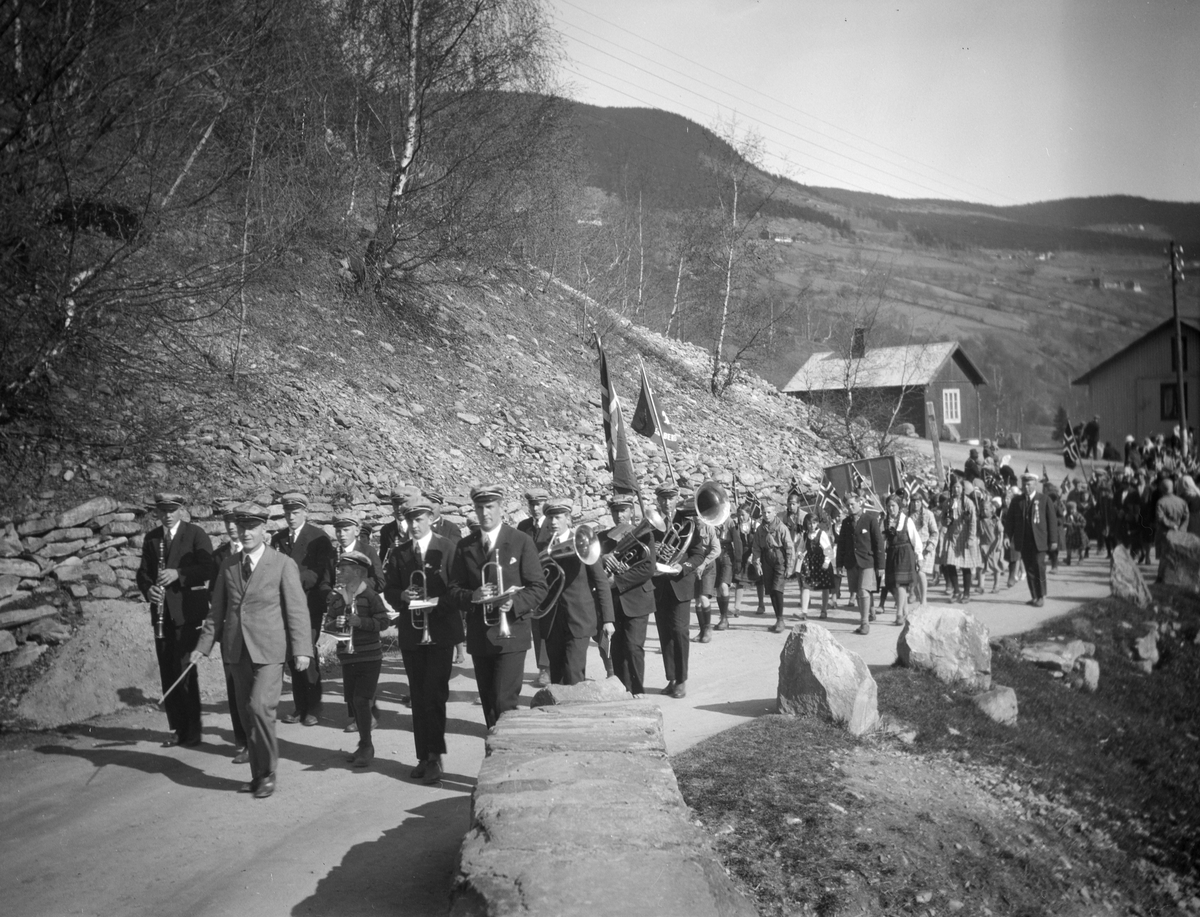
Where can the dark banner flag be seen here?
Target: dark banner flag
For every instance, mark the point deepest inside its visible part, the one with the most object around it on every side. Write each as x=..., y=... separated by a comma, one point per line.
x=620, y=462
x=651, y=420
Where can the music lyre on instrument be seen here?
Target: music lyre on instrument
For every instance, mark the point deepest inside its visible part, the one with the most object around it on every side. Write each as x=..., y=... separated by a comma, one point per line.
x=157, y=608
x=418, y=607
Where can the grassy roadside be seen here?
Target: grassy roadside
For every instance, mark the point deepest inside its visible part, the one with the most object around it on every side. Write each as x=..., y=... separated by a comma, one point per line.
x=1090, y=805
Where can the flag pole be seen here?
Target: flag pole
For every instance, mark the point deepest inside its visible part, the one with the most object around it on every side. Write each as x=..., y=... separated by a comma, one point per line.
x=654, y=413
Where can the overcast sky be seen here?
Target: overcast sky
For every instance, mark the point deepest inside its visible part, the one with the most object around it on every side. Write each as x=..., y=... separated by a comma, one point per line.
x=996, y=101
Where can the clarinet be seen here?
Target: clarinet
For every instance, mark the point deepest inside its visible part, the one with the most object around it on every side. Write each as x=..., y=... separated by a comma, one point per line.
x=156, y=608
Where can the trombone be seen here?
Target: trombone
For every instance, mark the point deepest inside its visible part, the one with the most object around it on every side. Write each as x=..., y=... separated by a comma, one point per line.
x=418, y=607
x=584, y=545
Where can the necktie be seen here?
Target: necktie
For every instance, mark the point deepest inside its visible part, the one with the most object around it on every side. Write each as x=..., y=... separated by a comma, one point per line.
x=246, y=568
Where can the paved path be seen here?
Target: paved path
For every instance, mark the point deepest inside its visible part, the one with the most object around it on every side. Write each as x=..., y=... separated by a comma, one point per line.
x=103, y=821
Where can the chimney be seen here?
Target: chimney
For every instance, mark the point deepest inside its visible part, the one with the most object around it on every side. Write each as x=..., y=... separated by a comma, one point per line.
x=858, y=348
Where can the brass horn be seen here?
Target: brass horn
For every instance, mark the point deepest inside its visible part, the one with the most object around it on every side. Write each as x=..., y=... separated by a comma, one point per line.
x=584, y=545
x=418, y=606
x=712, y=503
x=492, y=613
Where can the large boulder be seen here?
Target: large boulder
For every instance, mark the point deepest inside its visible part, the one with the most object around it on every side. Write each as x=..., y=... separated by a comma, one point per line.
x=948, y=642
x=1127, y=582
x=1181, y=561
x=820, y=677
x=85, y=512
x=586, y=692
x=108, y=665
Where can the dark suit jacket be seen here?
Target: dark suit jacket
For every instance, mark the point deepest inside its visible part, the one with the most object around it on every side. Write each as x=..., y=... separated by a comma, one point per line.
x=1032, y=523
x=445, y=622
x=191, y=554
x=683, y=584
x=586, y=599
x=521, y=566
x=860, y=543
x=447, y=529
x=315, y=555
x=266, y=617
x=538, y=531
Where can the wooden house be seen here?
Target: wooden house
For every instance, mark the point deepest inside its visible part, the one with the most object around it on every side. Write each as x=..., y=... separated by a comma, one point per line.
x=882, y=377
x=1134, y=391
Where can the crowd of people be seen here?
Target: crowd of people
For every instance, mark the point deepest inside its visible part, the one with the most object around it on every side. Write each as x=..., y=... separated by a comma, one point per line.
x=496, y=591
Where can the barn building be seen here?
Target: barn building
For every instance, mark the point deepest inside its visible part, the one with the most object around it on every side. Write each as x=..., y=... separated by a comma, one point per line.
x=881, y=377
x=1134, y=391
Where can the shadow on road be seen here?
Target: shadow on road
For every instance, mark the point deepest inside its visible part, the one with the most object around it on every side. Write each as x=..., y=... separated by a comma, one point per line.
x=406, y=871
x=115, y=752
x=746, y=708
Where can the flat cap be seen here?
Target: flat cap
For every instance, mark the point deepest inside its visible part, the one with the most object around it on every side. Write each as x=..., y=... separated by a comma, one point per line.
x=416, y=509
x=167, y=498
x=251, y=514
x=537, y=494
x=486, y=493
x=294, y=498
x=340, y=520
x=666, y=489
x=354, y=558
x=621, y=500
x=558, y=505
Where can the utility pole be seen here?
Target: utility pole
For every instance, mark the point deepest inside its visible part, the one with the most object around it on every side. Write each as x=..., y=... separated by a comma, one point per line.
x=1175, y=256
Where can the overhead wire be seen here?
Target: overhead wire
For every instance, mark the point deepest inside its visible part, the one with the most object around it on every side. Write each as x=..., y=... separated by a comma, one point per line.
x=956, y=179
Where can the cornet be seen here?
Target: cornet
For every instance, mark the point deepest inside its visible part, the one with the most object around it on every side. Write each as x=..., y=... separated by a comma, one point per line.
x=492, y=613
x=417, y=607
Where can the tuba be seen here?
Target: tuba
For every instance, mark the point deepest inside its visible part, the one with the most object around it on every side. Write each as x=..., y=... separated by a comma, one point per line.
x=583, y=545
x=710, y=506
x=634, y=546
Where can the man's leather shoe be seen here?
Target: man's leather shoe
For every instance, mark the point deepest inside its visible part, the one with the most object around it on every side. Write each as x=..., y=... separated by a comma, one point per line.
x=266, y=786
x=171, y=742
x=249, y=787
x=242, y=756
x=670, y=688
x=680, y=690
x=364, y=755
x=433, y=773
x=419, y=771
x=290, y=718
x=1038, y=603
x=309, y=720
x=351, y=727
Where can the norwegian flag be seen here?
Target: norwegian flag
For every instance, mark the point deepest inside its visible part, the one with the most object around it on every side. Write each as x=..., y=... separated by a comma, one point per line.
x=1070, y=446
x=913, y=485
x=620, y=461
x=859, y=484
x=830, y=502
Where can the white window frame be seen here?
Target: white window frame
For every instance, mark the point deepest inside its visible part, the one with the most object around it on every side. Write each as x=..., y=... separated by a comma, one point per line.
x=951, y=405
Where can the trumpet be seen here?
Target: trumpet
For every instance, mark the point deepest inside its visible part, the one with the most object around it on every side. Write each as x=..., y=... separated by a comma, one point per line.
x=418, y=607
x=492, y=613
x=584, y=545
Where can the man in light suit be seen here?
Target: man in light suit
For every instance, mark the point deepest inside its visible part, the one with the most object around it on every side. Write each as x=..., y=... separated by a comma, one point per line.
x=499, y=659
x=429, y=666
x=1032, y=525
x=632, y=597
x=585, y=602
x=177, y=563
x=260, y=612
x=314, y=554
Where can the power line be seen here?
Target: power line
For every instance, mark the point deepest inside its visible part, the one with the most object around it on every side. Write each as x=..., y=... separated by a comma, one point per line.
x=788, y=105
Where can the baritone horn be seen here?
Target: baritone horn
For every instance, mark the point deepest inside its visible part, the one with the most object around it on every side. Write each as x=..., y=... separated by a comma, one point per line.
x=584, y=545
x=633, y=548
x=710, y=506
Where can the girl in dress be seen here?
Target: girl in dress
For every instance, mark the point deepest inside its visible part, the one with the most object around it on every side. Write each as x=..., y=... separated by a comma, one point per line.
x=903, y=546
x=815, y=569
x=961, y=544
x=991, y=543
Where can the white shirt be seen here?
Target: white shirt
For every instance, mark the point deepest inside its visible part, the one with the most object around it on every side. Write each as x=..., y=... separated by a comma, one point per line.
x=423, y=543
x=489, y=539
x=173, y=530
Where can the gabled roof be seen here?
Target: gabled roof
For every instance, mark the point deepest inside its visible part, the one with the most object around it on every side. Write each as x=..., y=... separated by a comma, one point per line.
x=1157, y=329
x=881, y=367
